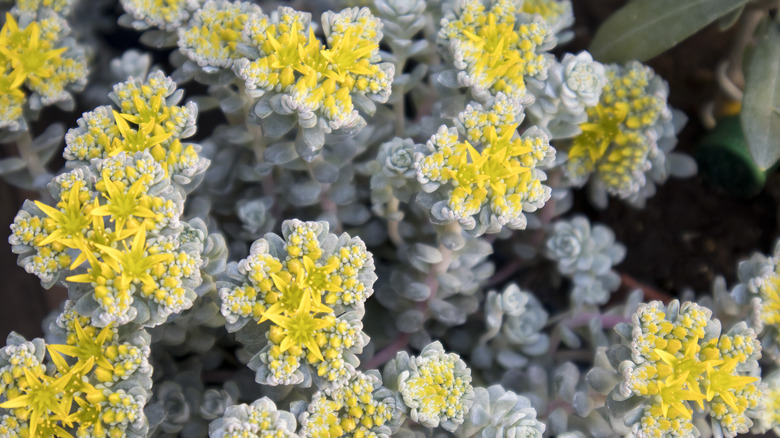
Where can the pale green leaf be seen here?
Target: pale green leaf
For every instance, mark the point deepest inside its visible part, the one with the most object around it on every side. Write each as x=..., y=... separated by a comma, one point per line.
x=760, y=117
x=643, y=29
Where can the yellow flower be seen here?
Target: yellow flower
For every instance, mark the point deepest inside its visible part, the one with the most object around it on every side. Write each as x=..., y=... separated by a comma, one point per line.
x=27, y=53
x=133, y=264
x=70, y=223
x=300, y=326
x=124, y=204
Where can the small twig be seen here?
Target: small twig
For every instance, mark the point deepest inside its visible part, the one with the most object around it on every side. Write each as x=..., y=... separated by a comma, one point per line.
x=387, y=353
x=650, y=292
x=583, y=319
x=506, y=272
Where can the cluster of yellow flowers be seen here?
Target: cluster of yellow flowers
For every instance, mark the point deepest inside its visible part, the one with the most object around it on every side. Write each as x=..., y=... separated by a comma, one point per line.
x=148, y=119
x=435, y=386
x=119, y=215
x=619, y=135
x=35, y=52
x=310, y=286
x=360, y=408
x=493, y=51
x=769, y=294
x=89, y=386
x=491, y=178
x=281, y=54
x=679, y=360
x=166, y=14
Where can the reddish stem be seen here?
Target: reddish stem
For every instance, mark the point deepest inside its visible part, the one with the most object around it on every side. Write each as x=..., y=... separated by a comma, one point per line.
x=649, y=291
x=388, y=352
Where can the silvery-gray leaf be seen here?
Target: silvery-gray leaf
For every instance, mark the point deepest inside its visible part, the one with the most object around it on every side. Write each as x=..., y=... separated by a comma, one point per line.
x=314, y=137
x=410, y=321
x=324, y=171
x=304, y=193
x=276, y=125
x=448, y=78
x=446, y=312
x=280, y=153
x=510, y=359
x=602, y=380
x=681, y=165
x=568, y=337
x=354, y=214
x=11, y=164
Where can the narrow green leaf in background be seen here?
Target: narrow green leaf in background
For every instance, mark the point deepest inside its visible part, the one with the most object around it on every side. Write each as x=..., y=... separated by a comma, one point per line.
x=643, y=29
x=760, y=117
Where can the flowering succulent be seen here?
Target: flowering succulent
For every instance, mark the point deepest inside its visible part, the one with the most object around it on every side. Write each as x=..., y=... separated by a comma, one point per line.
x=280, y=59
x=310, y=286
x=677, y=360
x=769, y=418
x=419, y=126
x=164, y=14
x=493, y=50
x=435, y=387
x=35, y=51
x=148, y=119
x=498, y=412
x=586, y=255
x=362, y=407
x=33, y=6
x=557, y=14
x=486, y=188
x=759, y=287
x=100, y=388
x=626, y=137
x=116, y=224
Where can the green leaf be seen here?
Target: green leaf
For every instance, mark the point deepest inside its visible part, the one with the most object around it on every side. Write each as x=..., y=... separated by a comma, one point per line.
x=760, y=105
x=643, y=29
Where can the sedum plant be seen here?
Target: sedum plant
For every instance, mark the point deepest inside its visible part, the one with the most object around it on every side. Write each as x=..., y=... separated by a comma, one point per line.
x=350, y=218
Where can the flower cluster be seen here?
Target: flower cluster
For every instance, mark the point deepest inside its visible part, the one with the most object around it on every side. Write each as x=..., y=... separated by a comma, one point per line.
x=147, y=118
x=435, y=386
x=625, y=134
x=97, y=391
x=586, y=255
x=165, y=14
x=769, y=419
x=679, y=360
x=493, y=50
x=558, y=14
x=310, y=286
x=260, y=419
x=360, y=408
x=759, y=286
x=116, y=222
x=493, y=176
x=280, y=56
x=35, y=51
